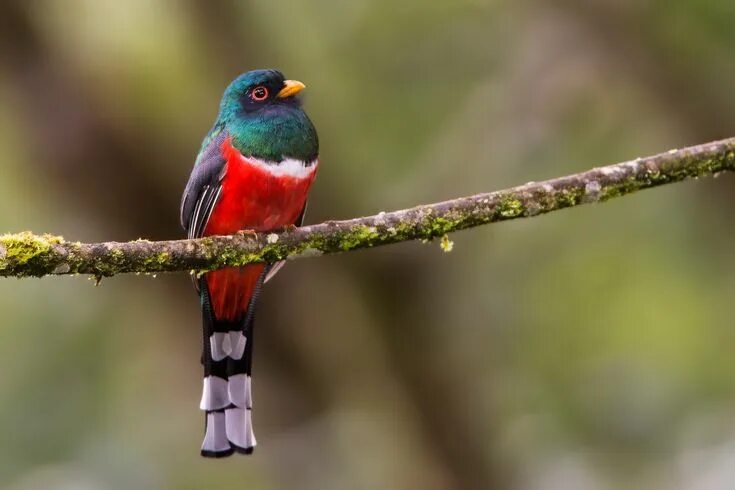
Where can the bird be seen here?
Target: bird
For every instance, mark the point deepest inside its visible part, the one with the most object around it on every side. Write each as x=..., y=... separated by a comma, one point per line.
x=253, y=173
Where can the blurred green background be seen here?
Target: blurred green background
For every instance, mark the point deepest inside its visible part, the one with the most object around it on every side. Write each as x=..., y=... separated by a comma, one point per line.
x=588, y=349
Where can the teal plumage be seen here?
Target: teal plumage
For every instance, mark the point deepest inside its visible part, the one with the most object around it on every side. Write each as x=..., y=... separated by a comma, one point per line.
x=273, y=131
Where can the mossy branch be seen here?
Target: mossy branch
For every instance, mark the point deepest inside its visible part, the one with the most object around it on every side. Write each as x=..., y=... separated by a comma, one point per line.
x=25, y=254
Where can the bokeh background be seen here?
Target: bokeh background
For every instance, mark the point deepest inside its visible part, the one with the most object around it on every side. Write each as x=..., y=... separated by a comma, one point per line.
x=587, y=349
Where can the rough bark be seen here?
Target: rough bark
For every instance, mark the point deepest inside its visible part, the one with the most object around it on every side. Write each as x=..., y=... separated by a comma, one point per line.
x=26, y=254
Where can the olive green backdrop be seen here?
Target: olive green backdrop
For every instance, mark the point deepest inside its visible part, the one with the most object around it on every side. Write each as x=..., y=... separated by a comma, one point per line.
x=588, y=349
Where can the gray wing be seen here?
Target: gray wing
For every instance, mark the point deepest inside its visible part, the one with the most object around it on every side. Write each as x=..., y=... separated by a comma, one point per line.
x=203, y=189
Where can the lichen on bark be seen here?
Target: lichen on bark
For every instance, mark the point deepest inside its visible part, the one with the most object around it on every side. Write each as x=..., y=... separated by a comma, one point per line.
x=26, y=254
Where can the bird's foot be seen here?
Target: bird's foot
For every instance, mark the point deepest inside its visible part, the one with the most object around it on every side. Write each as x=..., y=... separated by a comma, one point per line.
x=247, y=233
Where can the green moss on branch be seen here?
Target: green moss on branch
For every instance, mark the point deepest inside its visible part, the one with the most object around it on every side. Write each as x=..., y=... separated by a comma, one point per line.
x=25, y=254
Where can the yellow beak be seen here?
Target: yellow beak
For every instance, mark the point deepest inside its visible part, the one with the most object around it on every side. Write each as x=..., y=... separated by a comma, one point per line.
x=290, y=87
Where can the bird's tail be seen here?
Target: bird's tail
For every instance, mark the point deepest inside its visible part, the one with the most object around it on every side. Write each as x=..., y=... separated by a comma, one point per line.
x=226, y=395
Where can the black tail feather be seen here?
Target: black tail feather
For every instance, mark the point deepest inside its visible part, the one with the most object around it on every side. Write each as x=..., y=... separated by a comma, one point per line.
x=226, y=397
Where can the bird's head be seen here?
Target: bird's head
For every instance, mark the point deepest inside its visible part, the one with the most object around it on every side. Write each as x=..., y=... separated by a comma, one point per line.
x=257, y=91
x=264, y=118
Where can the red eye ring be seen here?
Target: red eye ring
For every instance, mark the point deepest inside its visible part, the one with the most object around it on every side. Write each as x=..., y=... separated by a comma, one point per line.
x=259, y=93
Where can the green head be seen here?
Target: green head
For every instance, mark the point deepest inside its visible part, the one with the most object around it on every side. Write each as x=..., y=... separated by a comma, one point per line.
x=265, y=120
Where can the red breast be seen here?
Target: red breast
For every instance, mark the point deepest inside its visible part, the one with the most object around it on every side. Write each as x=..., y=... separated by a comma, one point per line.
x=259, y=196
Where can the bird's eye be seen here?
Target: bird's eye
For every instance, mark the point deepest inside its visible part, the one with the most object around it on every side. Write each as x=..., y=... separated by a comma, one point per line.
x=259, y=93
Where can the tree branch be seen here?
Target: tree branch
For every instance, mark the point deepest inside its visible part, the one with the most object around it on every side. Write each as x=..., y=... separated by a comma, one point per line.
x=25, y=254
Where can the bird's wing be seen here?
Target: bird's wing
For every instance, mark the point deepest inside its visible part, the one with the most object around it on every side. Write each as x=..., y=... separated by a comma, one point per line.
x=204, y=187
x=273, y=269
